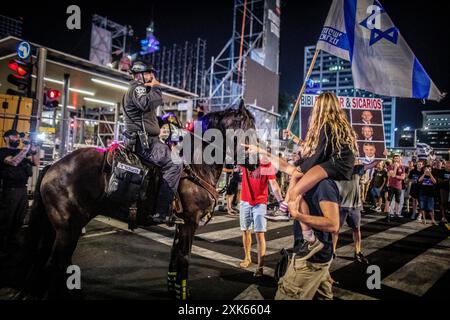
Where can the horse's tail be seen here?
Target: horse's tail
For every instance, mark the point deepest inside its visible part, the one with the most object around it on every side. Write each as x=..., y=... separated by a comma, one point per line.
x=39, y=236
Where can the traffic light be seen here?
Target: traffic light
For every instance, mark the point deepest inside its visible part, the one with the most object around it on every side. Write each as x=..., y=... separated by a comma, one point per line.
x=51, y=97
x=21, y=77
x=189, y=126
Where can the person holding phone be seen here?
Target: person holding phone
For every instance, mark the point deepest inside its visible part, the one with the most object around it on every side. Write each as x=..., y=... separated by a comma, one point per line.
x=15, y=169
x=427, y=185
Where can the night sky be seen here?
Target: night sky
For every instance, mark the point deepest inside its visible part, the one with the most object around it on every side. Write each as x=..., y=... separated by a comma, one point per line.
x=424, y=24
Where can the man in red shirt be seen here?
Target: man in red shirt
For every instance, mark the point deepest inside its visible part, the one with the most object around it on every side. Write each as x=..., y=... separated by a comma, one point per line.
x=253, y=208
x=396, y=174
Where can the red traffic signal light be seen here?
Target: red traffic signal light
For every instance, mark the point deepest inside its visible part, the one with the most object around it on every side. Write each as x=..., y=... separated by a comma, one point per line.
x=51, y=97
x=21, y=77
x=19, y=67
x=189, y=126
x=53, y=94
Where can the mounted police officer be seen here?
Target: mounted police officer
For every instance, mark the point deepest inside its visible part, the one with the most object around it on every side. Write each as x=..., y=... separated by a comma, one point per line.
x=140, y=105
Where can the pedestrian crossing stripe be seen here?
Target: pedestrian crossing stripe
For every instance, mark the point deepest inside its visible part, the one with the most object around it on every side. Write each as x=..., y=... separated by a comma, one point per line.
x=378, y=237
x=375, y=242
x=274, y=246
x=228, y=260
x=235, y=232
x=433, y=264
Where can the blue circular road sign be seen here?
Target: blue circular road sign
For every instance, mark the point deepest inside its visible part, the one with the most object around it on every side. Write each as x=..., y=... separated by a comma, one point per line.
x=24, y=50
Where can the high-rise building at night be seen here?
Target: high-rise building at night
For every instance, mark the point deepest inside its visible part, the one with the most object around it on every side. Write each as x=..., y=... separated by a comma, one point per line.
x=436, y=129
x=331, y=73
x=436, y=120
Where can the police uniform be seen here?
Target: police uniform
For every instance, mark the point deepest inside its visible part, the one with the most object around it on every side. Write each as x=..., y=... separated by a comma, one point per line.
x=13, y=195
x=140, y=104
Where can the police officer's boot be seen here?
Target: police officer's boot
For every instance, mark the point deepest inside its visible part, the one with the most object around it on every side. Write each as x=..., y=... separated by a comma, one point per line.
x=164, y=208
x=169, y=219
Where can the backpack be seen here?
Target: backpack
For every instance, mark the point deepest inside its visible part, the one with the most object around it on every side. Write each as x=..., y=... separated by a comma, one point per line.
x=282, y=265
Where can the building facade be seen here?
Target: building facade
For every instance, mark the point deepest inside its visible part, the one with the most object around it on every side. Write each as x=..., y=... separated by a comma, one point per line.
x=10, y=27
x=331, y=73
x=436, y=120
x=435, y=138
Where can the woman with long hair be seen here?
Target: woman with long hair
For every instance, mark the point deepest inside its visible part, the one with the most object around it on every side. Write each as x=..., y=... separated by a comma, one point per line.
x=328, y=152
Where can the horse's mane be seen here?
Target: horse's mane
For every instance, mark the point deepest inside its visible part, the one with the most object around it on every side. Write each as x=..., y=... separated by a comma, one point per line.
x=223, y=120
x=214, y=120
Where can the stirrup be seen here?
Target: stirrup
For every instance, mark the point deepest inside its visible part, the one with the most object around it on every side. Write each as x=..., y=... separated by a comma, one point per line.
x=176, y=219
x=170, y=221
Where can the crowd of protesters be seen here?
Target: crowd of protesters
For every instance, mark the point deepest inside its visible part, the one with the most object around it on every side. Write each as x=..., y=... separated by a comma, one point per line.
x=417, y=191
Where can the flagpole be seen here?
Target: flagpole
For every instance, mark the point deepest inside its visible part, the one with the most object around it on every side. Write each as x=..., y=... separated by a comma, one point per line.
x=302, y=90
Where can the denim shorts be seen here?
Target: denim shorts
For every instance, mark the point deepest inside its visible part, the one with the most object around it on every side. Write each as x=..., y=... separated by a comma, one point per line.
x=426, y=203
x=352, y=216
x=375, y=192
x=253, y=217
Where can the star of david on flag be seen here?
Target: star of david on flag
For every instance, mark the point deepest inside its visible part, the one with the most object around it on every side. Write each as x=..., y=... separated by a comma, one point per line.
x=362, y=32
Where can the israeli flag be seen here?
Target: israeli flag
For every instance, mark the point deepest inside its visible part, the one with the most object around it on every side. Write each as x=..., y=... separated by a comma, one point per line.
x=423, y=151
x=361, y=32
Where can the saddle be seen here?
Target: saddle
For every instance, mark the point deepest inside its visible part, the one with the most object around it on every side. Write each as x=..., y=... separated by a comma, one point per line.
x=134, y=183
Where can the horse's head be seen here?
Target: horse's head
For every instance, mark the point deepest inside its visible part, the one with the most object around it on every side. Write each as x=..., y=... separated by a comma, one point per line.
x=237, y=126
x=230, y=119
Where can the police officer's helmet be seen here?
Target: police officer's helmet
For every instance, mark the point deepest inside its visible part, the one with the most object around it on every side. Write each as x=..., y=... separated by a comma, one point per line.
x=141, y=67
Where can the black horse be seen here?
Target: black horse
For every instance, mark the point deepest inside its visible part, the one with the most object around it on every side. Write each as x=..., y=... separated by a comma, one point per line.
x=70, y=193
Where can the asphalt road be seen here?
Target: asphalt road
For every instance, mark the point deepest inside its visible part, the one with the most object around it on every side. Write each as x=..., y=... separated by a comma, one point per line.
x=115, y=263
x=414, y=260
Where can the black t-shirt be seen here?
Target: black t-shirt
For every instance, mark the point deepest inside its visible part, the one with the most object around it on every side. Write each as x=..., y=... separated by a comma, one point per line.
x=427, y=187
x=326, y=190
x=436, y=172
x=339, y=162
x=235, y=177
x=414, y=176
x=442, y=176
x=14, y=177
x=379, y=177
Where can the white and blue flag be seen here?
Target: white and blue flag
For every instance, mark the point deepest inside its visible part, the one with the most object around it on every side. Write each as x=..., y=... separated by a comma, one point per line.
x=423, y=151
x=361, y=32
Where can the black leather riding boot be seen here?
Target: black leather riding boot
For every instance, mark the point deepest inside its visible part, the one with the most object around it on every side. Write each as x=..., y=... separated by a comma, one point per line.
x=164, y=200
x=163, y=208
